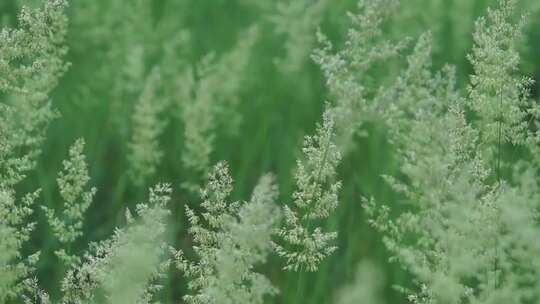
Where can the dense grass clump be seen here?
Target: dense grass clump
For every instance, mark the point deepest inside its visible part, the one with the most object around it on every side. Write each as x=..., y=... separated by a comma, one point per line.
x=291, y=151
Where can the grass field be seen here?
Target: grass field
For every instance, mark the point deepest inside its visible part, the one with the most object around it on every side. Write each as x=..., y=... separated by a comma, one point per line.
x=240, y=74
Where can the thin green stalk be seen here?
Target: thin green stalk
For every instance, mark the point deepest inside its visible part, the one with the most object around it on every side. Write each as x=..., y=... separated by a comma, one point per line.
x=300, y=287
x=499, y=147
x=499, y=140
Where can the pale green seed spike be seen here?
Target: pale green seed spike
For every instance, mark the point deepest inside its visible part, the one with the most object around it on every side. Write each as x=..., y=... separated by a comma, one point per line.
x=126, y=267
x=315, y=198
x=230, y=240
x=145, y=153
x=77, y=197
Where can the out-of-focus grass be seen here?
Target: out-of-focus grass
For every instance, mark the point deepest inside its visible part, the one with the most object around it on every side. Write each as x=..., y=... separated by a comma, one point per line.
x=278, y=110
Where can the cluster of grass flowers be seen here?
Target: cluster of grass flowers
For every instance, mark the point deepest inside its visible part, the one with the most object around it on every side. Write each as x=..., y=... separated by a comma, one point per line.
x=459, y=237
x=31, y=63
x=71, y=181
x=305, y=244
x=106, y=273
x=464, y=220
x=208, y=103
x=230, y=239
x=145, y=153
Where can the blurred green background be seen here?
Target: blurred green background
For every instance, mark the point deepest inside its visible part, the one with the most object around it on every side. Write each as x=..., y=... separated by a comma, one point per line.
x=280, y=99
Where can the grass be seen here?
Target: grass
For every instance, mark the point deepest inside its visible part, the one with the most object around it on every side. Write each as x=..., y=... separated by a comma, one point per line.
x=277, y=109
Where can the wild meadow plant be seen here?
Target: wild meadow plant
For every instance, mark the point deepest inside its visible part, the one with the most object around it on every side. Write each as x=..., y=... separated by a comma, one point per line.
x=347, y=71
x=298, y=22
x=305, y=244
x=458, y=236
x=145, y=153
x=465, y=217
x=230, y=238
x=71, y=182
x=209, y=103
x=30, y=66
x=106, y=272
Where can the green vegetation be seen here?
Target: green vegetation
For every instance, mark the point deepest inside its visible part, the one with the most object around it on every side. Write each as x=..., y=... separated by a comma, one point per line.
x=290, y=151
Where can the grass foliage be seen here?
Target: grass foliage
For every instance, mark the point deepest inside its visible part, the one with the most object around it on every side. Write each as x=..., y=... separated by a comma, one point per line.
x=290, y=151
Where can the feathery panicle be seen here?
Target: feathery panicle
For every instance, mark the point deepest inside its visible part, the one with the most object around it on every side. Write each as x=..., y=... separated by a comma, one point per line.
x=231, y=66
x=266, y=191
x=205, y=228
x=137, y=258
x=122, y=269
x=144, y=152
x=8, y=253
x=297, y=21
x=304, y=244
x=245, y=242
x=15, y=229
x=211, y=104
x=33, y=293
x=198, y=130
x=412, y=89
x=231, y=238
x=123, y=33
x=497, y=94
x=445, y=182
x=32, y=54
x=72, y=182
x=347, y=71
x=30, y=66
x=458, y=235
